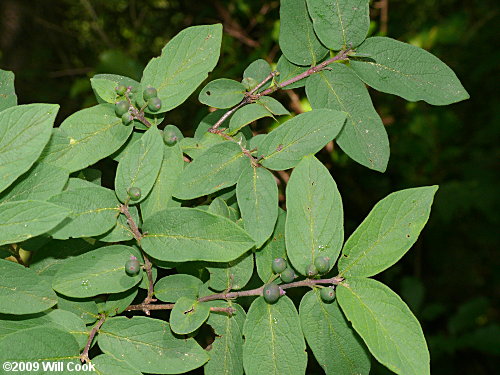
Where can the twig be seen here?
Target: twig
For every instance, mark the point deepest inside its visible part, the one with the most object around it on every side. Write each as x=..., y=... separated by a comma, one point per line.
x=251, y=96
x=170, y=306
x=131, y=223
x=84, y=357
x=148, y=268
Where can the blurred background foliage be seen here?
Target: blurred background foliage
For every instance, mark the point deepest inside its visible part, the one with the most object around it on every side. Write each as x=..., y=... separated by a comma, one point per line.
x=450, y=277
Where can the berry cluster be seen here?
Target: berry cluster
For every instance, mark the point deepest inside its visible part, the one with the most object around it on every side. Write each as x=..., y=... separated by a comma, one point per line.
x=125, y=108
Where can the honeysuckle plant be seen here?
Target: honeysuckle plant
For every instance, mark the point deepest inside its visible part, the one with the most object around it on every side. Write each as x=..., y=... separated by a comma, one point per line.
x=193, y=235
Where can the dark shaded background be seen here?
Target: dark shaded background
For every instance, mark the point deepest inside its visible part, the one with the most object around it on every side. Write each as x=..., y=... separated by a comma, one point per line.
x=448, y=278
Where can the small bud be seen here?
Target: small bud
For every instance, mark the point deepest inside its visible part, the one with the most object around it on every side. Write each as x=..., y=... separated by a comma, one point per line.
x=134, y=193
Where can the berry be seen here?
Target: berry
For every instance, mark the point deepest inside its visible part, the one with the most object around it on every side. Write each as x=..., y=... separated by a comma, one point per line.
x=311, y=270
x=327, y=294
x=271, y=293
x=121, y=107
x=149, y=93
x=134, y=193
x=171, y=135
x=120, y=89
x=132, y=267
x=322, y=264
x=154, y=104
x=127, y=118
x=288, y=275
x=279, y=265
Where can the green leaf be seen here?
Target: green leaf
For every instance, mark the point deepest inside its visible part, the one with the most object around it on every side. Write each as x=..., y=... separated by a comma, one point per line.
x=96, y=272
x=94, y=211
x=273, y=106
x=24, y=133
x=288, y=70
x=302, y=135
x=21, y=220
x=22, y=291
x=118, y=155
x=184, y=64
x=171, y=288
x=257, y=195
x=195, y=147
x=104, y=86
x=40, y=344
x=274, y=343
x=188, y=315
x=85, y=308
x=86, y=137
x=363, y=137
x=149, y=346
x=386, y=324
x=272, y=249
x=297, y=39
x=41, y=182
x=233, y=275
x=160, y=196
x=118, y=302
x=337, y=348
x=246, y=115
x=140, y=166
x=46, y=260
x=222, y=93
x=60, y=319
x=387, y=233
x=121, y=231
x=255, y=73
x=408, y=71
x=314, y=222
x=340, y=23
x=226, y=354
x=217, y=168
x=184, y=234
x=220, y=207
x=106, y=364
x=8, y=97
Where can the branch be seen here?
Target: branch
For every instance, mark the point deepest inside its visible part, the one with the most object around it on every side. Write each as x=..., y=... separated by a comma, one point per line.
x=131, y=223
x=84, y=357
x=250, y=97
x=170, y=306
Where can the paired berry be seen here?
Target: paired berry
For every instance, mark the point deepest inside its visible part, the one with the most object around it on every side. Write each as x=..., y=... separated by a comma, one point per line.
x=134, y=193
x=154, y=104
x=322, y=264
x=311, y=270
x=121, y=107
x=121, y=90
x=271, y=293
x=279, y=265
x=127, y=118
x=149, y=93
x=171, y=135
x=288, y=275
x=327, y=294
x=132, y=266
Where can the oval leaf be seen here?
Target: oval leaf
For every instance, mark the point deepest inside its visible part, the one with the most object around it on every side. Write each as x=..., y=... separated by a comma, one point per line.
x=139, y=167
x=273, y=336
x=86, y=137
x=408, y=71
x=188, y=315
x=149, y=346
x=363, y=136
x=108, y=365
x=247, y=115
x=96, y=272
x=257, y=195
x=314, y=222
x=387, y=233
x=233, y=275
x=217, y=168
x=22, y=291
x=94, y=211
x=340, y=23
x=184, y=64
x=184, y=234
x=337, y=348
x=297, y=39
x=104, y=86
x=21, y=220
x=222, y=93
x=386, y=324
x=302, y=135
x=24, y=132
x=171, y=288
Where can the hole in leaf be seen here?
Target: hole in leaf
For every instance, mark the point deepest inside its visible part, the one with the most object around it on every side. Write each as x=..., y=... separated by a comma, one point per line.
x=209, y=93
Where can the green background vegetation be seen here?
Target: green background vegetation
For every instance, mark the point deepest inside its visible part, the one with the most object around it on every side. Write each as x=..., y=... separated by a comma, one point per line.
x=448, y=278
